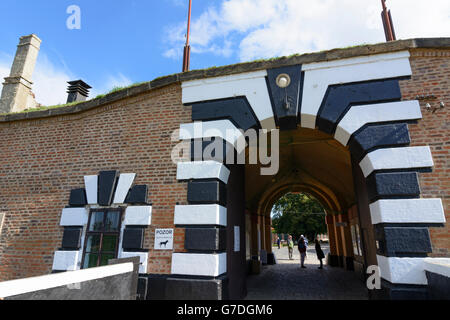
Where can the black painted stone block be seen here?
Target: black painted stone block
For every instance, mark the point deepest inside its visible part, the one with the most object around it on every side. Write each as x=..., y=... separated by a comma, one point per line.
x=393, y=185
x=106, y=186
x=133, y=238
x=390, y=291
x=214, y=149
x=78, y=198
x=204, y=192
x=286, y=118
x=196, y=289
x=378, y=136
x=438, y=286
x=206, y=239
x=156, y=287
x=137, y=195
x=237, y=110
x=401, y=241
x=339, y=99
x=72, y=238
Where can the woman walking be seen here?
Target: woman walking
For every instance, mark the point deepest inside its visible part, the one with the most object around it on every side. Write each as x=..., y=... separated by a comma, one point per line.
x=320, y=254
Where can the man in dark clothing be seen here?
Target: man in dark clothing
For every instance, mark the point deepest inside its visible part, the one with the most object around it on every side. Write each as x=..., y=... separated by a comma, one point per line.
x=302, y=248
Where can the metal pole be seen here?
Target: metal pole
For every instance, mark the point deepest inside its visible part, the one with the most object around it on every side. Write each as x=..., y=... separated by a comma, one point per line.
x=187, y=48
x=387, y=22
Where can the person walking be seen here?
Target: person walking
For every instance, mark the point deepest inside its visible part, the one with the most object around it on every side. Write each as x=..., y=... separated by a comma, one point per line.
x=302, y=248
x=319, y=252
x=290, y=247
x=279, y=243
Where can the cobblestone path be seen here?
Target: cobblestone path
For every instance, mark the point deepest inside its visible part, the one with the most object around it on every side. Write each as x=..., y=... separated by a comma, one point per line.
x=287, y=281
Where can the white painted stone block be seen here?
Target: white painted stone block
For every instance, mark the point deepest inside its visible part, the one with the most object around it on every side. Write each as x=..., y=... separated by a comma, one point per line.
x=397, y=158
x=358, y=116
x=439, y=266
x=91, y=184
x=252, y=85
x=143, y=256
x=224, y=129
x=319, y=76
x=212, y=265
x=209, y=214
x=203, y=170
x=66, y=261
x=402, y=270
x=123, y=186
x=407, y=211
x=138, y=216
x=74, y=217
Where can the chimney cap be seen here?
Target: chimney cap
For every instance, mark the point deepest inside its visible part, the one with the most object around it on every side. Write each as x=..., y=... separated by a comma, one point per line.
x=79, y=83
x=78, y=90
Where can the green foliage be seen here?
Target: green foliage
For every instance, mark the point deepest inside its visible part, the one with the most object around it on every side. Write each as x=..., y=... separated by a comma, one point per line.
x=298, y=214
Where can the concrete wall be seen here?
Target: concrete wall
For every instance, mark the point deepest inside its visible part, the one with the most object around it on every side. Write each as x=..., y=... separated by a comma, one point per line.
x=116, y=282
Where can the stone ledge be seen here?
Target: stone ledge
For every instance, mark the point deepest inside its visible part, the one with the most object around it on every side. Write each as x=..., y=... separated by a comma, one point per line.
x=439, y=266
x=334, y=54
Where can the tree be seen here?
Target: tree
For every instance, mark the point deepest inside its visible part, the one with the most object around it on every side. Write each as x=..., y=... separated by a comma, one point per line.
x=298, y=214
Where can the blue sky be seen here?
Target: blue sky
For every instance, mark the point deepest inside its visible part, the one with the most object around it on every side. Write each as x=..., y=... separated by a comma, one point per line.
x=123, y=42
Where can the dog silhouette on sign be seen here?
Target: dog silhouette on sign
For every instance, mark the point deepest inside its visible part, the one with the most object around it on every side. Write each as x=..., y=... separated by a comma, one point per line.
x=163, y=244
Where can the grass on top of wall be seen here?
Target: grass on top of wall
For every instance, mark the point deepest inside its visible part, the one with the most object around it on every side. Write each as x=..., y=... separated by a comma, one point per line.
x=43, y=108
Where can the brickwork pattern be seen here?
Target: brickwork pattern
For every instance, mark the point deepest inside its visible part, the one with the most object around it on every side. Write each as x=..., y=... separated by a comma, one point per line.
x=431, y=76
x=42, y=160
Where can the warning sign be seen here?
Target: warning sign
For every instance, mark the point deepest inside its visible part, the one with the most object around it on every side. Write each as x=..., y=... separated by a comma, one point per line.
x=164, y=239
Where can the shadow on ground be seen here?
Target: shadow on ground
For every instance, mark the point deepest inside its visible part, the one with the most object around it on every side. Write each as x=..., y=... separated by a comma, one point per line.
x=287, y=281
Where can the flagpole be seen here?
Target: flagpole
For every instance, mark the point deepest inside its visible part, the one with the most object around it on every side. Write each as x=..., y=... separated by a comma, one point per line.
x=387, y=22
x=187, y=47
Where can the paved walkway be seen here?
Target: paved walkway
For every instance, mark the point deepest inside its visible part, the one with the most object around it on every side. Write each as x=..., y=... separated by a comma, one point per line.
x=287, y=281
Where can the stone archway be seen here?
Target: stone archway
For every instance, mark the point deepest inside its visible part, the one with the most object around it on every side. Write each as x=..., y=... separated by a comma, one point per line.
x=358, y=102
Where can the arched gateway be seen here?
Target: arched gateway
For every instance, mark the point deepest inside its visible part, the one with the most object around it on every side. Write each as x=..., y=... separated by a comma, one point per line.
x=351, y=133
x=357, y=101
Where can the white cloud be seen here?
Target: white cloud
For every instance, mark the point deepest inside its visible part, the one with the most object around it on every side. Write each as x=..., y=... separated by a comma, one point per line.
x=5, y=66
x=111, y=82
x=268, y=28
x=50, y=80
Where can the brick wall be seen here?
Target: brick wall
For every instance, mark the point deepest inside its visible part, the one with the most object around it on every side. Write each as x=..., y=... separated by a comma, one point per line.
x=42, y=160
x=431, y=76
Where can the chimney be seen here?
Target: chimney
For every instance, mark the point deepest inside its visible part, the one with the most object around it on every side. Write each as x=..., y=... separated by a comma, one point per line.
x=78, y=91
x=16, y=93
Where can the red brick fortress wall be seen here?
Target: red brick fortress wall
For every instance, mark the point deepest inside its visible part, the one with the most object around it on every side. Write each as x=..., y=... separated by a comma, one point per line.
x=43, y=159
x=431, y=76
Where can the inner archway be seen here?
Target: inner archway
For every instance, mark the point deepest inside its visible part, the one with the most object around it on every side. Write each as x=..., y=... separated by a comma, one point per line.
x=312, y=163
